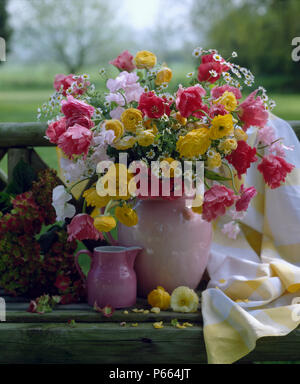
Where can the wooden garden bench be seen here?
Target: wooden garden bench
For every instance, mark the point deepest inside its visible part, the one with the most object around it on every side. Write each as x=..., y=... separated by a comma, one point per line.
x=49, y=338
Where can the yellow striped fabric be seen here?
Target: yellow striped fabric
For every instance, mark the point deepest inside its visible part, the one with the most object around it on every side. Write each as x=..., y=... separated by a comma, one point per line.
x=255, y=280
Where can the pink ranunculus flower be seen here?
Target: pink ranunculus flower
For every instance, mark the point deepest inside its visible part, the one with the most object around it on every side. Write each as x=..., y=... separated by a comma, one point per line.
x=189, y=100
x=133, y=92
x=63, y=82
x=116, y=113
x=75, y=141
x=82, y=228
x=279, y=148
x=266, y=135
x=82, y=120
x=246, y=196
x=253, y=112
x=122, y=81
x=124, y=62
x=216, y=200
x=217, y=92
x=56, y=129
x=73, y=107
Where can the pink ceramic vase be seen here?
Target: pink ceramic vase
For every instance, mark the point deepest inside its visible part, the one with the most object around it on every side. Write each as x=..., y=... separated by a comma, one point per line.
x=111, y=279
x=175, y=241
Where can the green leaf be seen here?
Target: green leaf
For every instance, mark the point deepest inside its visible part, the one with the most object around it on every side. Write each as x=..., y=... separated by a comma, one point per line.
x=211, y=175
x=23, y=177
x=5, y=202
x=174, y=322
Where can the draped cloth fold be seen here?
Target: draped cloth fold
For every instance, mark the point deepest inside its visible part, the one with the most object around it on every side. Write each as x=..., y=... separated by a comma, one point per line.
x=255, y=280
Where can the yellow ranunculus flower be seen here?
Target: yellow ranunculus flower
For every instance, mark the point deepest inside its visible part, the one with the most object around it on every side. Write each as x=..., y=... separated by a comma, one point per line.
x=228, y=145
x=145, y=138
x=104, y=223
x=94, y=200
x=197, y=204
x=194, y=143
x=160, y=298
x=239, y=134
x=214, y=159
x=125, y=143
x=151, y=126
x=145, y=59
x=229, y=101
x=131, y=118
x=184, y=299
x=126, y=215
x=168, y=166
x=182, y=120
x=221, y=126
x=116, y=126
x=164, y=75
x=115, y=183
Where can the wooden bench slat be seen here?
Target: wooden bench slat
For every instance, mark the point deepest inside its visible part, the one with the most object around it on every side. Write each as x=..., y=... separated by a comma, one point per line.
x=110, y=343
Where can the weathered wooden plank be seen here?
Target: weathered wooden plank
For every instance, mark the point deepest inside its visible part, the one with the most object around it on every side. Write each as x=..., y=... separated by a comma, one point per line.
x=99, y=344
x=36, y=162
x=23, y=135
x=111, y=343
x=14, y=156
x=91, y=316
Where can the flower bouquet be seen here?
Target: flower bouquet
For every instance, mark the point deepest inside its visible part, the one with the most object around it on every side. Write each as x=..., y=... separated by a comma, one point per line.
x=188, y=141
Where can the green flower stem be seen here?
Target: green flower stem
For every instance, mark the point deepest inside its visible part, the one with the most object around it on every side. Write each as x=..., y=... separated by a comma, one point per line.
x=273, y=142
x=84, y=207
x=232, y=177
x=205, y=183
x=110, y=205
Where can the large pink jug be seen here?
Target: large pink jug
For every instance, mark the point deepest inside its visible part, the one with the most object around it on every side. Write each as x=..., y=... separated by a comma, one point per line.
x=176, y=244
x=111, y=279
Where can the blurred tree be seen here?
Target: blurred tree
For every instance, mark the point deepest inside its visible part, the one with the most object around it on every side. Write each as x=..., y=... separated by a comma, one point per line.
x=5, y=30
x=72, y=32
x=261, y=31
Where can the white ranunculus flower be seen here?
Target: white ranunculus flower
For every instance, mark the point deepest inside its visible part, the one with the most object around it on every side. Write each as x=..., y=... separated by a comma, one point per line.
x=60, y=198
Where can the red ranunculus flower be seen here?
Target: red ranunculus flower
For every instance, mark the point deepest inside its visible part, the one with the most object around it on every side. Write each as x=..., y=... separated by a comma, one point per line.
x=56, y=129
x=63, y=82
x=189, y=101
x=253, y=112
x=242, y=157
x=210, y=64
x=274, y=170
x=153, y=106
x=216, y=200
x=217, y=92
x=216, y=110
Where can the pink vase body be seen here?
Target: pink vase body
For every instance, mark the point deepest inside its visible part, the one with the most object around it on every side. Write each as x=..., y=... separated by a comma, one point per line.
x=111, y=279
x=175, y=241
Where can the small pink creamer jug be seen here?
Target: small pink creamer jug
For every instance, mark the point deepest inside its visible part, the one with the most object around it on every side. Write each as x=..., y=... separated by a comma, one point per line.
x=111, y=279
